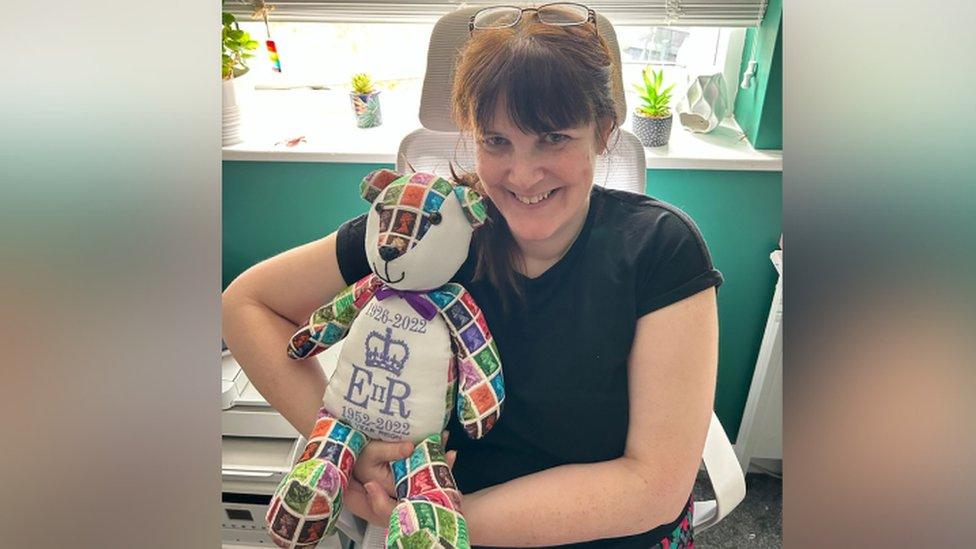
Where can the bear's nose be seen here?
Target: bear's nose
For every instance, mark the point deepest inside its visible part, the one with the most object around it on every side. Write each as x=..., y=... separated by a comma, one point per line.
x=389, y=253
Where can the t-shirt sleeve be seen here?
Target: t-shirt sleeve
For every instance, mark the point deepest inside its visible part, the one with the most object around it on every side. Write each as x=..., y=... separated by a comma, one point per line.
x=675, y=262
x=351, y=249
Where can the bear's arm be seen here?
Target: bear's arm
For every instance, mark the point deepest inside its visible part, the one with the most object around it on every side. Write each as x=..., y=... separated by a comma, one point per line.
x=481, y=390
x=330, y=322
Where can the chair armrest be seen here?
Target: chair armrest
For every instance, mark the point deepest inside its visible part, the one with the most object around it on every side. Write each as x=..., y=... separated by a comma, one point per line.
x=352, y=526
x=375, y=538
x=724, y=472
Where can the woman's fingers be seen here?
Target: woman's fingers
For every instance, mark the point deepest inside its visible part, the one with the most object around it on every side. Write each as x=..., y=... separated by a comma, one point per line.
x=381, y=504
x=360, y=501
x=374, y=463
x=370, y=499
x=444, y=436
x=356, y=500
x=391, y=452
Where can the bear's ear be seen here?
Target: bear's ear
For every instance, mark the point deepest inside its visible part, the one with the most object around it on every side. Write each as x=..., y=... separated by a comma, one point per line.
x=473, y=205
x=374, y=183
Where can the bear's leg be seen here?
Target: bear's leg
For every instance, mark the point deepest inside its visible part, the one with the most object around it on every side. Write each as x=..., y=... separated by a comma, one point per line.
x=306, y=505
x=429, y=512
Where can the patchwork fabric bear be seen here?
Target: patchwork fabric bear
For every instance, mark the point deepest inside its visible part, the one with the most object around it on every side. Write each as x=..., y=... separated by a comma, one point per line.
x=414, y=347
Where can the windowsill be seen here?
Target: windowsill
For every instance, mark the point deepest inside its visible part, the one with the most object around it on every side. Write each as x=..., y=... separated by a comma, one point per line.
x=326, y=121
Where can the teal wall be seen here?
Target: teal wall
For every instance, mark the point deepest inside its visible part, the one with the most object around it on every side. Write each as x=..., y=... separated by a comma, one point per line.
x=269, y=207
x=740, y=216
x=759, y=109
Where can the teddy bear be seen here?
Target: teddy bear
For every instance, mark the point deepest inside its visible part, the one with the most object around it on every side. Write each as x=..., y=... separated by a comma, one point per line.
x=414, y=347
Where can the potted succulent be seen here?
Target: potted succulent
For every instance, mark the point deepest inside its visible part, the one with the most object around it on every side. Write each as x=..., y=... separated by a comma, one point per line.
x=365, y=101
x=235, y=45
x=652, y=120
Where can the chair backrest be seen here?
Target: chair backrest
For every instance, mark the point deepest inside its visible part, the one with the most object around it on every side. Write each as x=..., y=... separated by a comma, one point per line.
x=438, y=143
x=449, y=36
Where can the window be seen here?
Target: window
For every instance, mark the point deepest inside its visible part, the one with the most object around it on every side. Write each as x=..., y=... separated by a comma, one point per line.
x=682, y=52
x=318, y=60
x=328, y=54
x=310, y=95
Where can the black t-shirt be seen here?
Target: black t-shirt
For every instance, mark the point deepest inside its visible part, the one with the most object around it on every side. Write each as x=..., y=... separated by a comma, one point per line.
x=564, y=352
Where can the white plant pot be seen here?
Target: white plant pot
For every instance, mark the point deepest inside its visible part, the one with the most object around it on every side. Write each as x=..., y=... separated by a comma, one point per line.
x=228, y=94
x=230, y=114
x=705, y=103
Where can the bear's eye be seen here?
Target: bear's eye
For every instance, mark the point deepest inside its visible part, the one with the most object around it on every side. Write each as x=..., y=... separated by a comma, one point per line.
x=435, y=218
x=378, y=207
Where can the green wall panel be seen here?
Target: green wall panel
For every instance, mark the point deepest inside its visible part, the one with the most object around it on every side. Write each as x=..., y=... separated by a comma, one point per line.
x=759, y=109
x=770, y=132
x=269, y=207
x=740, y=216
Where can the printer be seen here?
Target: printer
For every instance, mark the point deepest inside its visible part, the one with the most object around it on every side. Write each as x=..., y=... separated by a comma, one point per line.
x=258, y=449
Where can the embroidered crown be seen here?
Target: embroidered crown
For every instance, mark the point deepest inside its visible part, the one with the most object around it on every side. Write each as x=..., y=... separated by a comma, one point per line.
x=386, y=353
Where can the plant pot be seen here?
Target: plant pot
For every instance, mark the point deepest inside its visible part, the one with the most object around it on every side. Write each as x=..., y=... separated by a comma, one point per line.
x=230, y=115
x=652, y=131
x=366, y=107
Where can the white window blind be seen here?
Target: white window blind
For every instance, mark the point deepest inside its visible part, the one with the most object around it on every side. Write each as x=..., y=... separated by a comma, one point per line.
x=686, y=13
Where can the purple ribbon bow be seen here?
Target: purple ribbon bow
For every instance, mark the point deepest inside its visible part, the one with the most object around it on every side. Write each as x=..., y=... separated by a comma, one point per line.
x=416, y=300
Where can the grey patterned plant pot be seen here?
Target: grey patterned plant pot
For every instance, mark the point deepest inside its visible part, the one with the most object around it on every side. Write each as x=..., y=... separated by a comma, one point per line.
x=366, y=106
x=652, y=132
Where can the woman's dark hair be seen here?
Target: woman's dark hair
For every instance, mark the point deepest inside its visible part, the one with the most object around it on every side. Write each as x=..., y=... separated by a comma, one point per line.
x=551, y=78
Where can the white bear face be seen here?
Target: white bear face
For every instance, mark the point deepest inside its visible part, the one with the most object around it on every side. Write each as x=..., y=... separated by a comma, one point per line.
x=417, y=232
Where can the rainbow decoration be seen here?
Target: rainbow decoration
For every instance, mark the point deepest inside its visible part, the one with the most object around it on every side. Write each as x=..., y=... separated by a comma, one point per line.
x=273, y=55
x=261, y=11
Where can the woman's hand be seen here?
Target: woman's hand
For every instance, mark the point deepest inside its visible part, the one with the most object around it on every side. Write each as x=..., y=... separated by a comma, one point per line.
x=373, y=464
x=374, y=507
x=367, y=496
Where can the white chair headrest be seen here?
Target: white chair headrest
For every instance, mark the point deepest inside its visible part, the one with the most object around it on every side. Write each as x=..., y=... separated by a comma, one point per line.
x=449, y=36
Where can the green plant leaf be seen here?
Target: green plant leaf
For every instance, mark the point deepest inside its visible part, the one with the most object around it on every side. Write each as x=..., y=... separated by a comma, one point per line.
x=655, y=100
x=666, y=94
x=235, y=43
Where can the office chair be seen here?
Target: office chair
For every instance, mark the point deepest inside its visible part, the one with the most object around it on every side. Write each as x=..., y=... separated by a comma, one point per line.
x=438, y=143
